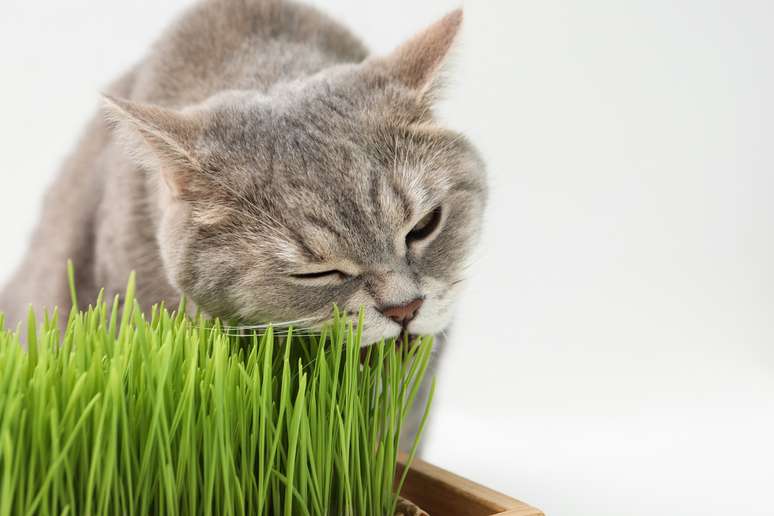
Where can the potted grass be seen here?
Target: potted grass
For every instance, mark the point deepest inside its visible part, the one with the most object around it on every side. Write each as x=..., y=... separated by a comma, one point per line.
x=169, y=414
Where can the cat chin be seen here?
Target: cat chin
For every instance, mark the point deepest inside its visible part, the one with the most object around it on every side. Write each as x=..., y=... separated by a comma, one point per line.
x=369, y=340
x=401, y=335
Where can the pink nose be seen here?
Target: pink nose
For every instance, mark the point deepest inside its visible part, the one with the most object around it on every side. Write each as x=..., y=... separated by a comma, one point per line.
x=402, y=314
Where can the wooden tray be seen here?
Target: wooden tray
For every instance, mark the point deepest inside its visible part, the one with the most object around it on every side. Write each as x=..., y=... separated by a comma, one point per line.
x=442, y=493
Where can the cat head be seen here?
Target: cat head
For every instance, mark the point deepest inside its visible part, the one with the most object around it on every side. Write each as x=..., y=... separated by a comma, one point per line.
x=337, y=189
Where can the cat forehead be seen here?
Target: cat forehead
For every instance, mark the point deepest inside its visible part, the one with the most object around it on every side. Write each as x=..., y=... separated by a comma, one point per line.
x=294, y=152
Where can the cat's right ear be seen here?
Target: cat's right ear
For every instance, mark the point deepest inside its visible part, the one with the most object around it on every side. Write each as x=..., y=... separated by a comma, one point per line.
x=160, y=139
x=417, y=63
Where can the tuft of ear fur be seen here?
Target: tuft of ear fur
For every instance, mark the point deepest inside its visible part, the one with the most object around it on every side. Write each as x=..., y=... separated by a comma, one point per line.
x=159, y=138
x=417, y=62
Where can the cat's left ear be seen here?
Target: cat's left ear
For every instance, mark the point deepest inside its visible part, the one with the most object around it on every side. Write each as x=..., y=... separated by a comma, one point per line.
x=160, y=138
x=417, y=62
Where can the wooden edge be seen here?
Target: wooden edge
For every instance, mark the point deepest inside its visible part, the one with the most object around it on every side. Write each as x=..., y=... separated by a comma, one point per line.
x=482, y=500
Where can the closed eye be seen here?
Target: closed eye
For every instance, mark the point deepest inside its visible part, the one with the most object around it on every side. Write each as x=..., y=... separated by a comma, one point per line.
x=329, y=274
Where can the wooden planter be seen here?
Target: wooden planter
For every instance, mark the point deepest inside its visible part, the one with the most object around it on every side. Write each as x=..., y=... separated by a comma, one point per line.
x=441, y=493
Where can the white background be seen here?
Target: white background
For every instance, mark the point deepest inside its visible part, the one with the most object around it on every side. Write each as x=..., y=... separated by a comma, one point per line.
x=615, y=349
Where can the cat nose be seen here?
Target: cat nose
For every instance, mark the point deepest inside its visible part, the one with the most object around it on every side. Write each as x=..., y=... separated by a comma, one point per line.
x=402, y=314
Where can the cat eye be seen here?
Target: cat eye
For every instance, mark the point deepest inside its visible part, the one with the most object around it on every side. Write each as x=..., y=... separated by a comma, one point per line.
x=425, y=227
x=332, y=274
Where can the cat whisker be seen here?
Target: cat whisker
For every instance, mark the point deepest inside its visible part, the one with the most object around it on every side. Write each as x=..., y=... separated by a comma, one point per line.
x=270, y=324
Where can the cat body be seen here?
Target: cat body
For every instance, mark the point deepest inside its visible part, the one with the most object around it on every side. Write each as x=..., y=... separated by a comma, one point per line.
x=259, y=162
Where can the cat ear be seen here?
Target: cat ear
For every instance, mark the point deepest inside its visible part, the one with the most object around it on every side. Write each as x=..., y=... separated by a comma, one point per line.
x=417, y=62
x=160, y=138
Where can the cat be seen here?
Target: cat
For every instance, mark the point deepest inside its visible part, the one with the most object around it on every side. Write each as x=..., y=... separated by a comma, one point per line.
x=261, y=163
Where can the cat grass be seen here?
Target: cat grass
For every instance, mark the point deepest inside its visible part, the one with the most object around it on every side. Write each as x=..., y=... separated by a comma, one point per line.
x=123, y=413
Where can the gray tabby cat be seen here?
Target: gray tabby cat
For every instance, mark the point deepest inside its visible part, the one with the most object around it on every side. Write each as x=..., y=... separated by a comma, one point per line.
x=258, y=161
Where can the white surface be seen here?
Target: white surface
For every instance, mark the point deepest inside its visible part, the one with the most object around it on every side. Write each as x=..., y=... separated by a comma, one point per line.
x=616, y=353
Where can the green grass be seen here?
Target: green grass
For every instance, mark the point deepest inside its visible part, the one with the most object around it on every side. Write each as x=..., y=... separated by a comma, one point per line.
x=123, y=414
